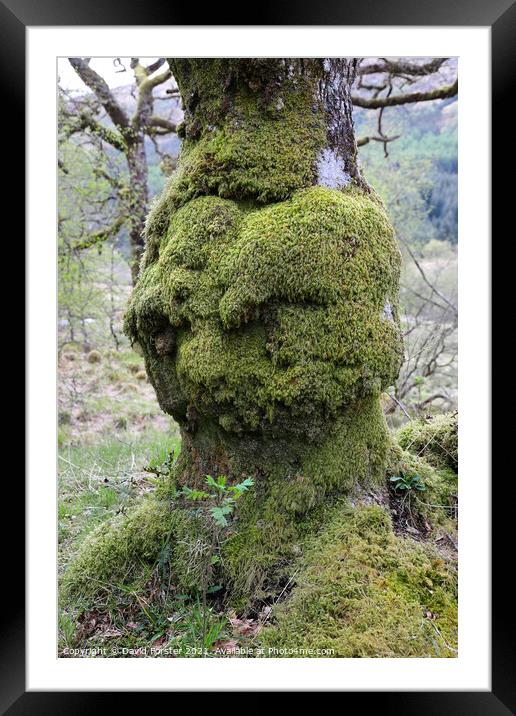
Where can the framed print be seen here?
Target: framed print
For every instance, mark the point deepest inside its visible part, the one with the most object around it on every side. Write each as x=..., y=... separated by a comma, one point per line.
x=258, y=354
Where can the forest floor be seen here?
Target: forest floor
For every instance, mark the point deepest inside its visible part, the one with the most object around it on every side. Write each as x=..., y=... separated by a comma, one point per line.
x=113, y=440
x=109, y=446
x=107, y=442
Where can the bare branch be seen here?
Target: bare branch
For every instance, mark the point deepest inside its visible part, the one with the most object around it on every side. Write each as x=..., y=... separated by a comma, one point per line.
x=395, y=100
x=402, y=67
x=101, y=90
x=365, y=140
x=426, y=280
x=100, y=236
x=161, y=123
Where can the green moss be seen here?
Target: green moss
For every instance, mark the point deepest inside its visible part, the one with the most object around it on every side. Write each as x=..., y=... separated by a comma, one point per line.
x=363, y=592
x=246, y=143
x=278, y=344
x=116, y=551
x=435, y=439
x=250, y=154
x=303, y=482
x=126, y=550
x=266, y=309
x=278, y=311
x=437, y=504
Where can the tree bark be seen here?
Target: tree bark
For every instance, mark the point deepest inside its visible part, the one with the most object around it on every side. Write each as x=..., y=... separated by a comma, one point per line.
x=266, y=308
x=138, y=187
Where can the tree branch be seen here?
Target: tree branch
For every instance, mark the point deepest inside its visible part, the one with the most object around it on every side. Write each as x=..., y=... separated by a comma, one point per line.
x=425, y=279
x=402, y=67
x=161, y=123
x=365, y=140
x=101, y=235
x=146, y=85
x=394, y=100
x=87, y=121
x=101, y=90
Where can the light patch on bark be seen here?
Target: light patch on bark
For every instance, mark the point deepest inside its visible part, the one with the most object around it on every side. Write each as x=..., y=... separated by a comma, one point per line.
x=330, y=170
x=387, y=312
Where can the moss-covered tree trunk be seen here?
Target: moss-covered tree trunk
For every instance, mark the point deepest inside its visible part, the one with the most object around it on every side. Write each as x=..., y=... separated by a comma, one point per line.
x=138, y=176
x=266, y=307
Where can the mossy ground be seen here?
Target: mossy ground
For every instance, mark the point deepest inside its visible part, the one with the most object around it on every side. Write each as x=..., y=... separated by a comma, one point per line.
x=349, y=583
x=434, y=438
x=364, y=592
x=433, y=510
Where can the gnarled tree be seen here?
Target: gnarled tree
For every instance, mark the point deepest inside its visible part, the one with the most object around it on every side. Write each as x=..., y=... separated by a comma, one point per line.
x=102, y=116
x=267, y=306
x=266, y=310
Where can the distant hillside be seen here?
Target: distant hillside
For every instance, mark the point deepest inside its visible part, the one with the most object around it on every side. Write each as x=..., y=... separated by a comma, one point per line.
x=424, y=159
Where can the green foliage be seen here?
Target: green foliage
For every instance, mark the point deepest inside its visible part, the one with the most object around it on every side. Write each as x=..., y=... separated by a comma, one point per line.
x=89, y=276
x=418, y=181
x=434, y=508
x=223, y=497
x=405, y=483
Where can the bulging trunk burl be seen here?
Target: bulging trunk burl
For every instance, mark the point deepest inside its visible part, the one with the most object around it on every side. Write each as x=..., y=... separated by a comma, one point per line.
x=266, y=306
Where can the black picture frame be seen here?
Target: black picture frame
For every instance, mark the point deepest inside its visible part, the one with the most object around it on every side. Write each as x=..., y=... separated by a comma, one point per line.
x=500, y=15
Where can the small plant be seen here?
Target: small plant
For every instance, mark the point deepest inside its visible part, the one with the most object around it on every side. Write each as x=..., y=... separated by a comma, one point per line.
x=219, y=504
x=224, y=496
x=161, y=463
x=67, y=636
x=404, y=484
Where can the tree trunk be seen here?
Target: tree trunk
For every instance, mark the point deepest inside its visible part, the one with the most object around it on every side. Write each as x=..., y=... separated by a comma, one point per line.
x=138, y=174
x=267, y=308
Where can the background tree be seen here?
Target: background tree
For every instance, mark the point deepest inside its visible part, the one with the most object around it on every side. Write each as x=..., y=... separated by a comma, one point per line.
x=395, y=106
x=103, y=118
x=394, y=82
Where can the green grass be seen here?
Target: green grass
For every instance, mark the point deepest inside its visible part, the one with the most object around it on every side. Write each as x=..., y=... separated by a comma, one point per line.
x=146, y=618
x=98, y=481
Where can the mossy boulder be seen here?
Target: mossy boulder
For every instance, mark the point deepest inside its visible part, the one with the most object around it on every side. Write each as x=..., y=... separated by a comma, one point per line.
x=434, y=438
x=362, y=591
